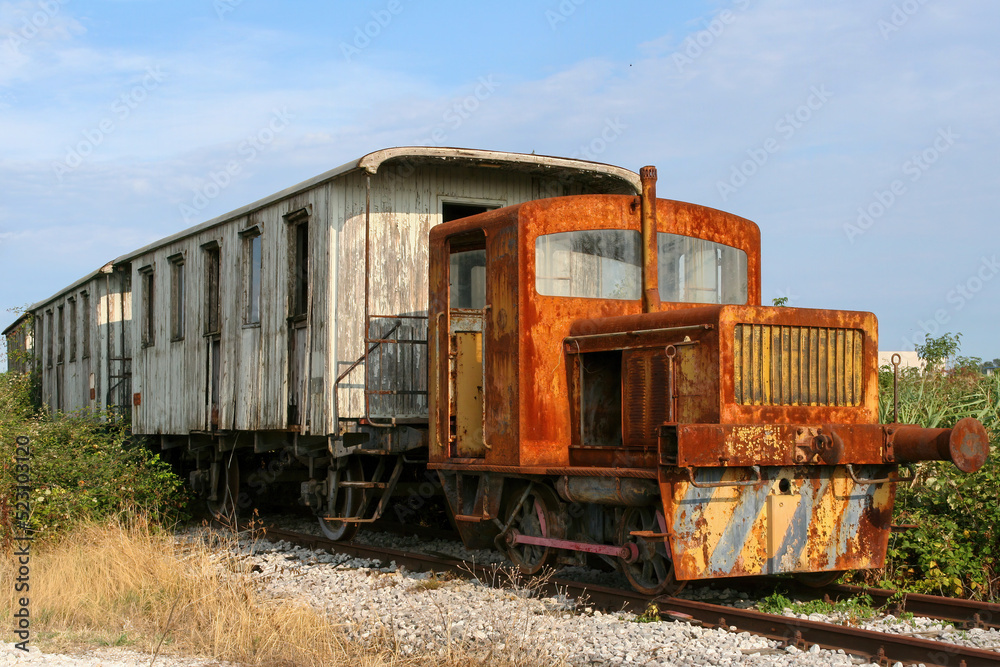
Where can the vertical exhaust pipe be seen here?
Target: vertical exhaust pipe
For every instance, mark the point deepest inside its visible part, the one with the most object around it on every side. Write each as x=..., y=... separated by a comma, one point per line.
x=650, y=270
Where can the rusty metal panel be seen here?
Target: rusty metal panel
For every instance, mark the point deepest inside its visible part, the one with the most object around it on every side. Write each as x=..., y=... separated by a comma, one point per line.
x=795, y=520
x=468, y=391
x=713, y=445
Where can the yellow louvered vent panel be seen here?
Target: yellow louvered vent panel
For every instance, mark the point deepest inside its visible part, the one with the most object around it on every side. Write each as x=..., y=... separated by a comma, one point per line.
x=788, y=365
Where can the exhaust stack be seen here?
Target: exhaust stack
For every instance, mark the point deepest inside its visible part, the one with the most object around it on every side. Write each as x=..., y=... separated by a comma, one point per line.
x=650, y=270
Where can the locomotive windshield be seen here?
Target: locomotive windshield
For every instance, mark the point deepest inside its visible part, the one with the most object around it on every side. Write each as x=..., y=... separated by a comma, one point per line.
x=594, y=264
x=607, y=264
x=699, y=271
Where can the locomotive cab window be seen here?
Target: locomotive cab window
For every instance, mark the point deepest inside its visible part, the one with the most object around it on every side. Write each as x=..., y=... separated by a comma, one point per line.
x=699, y=271
x=467, y=279
x=593, y=264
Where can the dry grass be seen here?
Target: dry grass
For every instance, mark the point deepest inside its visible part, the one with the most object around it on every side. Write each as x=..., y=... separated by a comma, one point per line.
x=135, y=586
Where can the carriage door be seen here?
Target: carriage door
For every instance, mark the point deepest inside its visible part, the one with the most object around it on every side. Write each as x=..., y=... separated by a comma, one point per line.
x=213, y=331
x=467, y=287
x=298, y=286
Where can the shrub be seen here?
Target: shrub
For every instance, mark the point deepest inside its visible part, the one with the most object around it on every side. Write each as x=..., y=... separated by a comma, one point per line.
x=954, y=547
x=83, y=466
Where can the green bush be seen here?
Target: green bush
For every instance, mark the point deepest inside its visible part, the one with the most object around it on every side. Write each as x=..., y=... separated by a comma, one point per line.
x=82, y=466
x=954, y=547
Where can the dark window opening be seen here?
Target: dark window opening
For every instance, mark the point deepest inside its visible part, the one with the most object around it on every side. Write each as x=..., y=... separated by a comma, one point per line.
x=72, y=329
x=62, y=337
x=85, y=307
x=177, y=288
x=148, y=315
x=300, y=269
x=601, y=399
x=454, y=210
x=48, y=338
x=213, y=277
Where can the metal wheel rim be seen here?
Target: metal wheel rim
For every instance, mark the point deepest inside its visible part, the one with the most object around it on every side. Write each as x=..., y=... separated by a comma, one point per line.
x=348, y=503
x=532, y=517
x=653, y=572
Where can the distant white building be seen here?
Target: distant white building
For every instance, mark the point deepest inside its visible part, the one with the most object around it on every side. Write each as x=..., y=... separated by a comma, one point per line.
x=906, y=359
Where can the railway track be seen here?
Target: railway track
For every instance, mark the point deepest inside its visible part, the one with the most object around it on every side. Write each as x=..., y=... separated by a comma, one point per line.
x=878, y=647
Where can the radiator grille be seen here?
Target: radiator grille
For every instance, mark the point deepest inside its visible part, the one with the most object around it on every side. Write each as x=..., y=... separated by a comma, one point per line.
x=646, y=396
x=787, y=365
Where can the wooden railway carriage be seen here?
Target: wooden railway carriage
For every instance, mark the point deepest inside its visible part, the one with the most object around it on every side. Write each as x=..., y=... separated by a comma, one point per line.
x=296, y=323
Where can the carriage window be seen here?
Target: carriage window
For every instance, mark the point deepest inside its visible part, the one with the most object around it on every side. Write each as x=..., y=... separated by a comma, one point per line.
x=85, y=307
x=699, y=271
x=213, y=279
x=467, y=278
x=299, y=268
x=252, y=266
x=594, y=264
x=148, y=314
x=72, y=328
x=61, y=343
x=176, y=297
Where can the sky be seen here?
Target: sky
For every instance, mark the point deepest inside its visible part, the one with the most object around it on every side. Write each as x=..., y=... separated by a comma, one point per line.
x=862, y=136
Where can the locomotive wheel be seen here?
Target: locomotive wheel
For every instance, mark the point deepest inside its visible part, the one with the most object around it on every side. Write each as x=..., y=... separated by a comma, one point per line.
x=653, y=572
x=537, y=516
x=223, y=509
x=348, y=504
x=817, y=579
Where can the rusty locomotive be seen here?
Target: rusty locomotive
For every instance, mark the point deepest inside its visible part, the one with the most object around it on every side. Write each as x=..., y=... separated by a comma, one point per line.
x=587, y=373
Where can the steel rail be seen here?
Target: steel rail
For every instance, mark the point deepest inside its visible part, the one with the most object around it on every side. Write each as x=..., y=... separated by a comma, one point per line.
x=969, y=613
x=880, y=647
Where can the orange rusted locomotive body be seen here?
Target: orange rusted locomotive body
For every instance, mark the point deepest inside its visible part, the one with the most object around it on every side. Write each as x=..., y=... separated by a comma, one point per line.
x=604, y=381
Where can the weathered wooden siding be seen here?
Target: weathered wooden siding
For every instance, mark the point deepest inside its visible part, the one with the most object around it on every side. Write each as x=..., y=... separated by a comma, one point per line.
x=405, y=204
x=172, y=376
x=102, y=321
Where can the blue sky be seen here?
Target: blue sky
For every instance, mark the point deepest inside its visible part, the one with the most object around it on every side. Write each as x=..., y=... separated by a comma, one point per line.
x=862, y=136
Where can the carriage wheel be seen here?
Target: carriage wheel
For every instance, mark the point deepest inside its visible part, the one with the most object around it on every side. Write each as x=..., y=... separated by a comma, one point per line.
x=223, y=509
x=653, y=572
x=348, y=504
x=537, y=516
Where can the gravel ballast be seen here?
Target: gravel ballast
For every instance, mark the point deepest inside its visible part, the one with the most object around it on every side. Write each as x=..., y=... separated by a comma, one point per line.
x=422, y=614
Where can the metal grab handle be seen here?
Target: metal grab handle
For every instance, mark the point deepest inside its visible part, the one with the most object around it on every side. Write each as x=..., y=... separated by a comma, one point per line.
x=882, y=480
x=712, y=485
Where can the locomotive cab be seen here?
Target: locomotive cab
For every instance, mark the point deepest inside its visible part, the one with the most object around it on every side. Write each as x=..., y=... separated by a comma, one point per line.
x=605, y=381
